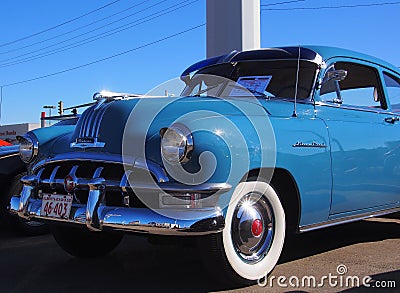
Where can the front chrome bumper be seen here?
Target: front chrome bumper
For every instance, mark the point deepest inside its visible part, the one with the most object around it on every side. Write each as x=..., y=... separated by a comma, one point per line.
x=97, y=216
x=205, y=221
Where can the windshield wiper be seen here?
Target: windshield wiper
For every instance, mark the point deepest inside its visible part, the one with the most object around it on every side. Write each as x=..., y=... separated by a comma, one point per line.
x=259, y=93
x=204, y=90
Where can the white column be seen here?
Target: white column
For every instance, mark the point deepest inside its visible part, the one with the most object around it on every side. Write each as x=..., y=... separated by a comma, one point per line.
x=232, y=25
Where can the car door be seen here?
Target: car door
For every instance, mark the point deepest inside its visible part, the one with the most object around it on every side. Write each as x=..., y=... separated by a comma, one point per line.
x=364, y=137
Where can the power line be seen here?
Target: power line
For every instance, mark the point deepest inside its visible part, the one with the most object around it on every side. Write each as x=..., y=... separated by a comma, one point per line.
x=101, y=35
x=74, y=30
x=58, y=25
x=281, y=3
x=332, y=7
x=75, y=37
x=106, y=58
x=98, y=36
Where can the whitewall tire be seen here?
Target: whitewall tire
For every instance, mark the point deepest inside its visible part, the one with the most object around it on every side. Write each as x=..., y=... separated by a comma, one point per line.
x=252, y=241
x=253, y=258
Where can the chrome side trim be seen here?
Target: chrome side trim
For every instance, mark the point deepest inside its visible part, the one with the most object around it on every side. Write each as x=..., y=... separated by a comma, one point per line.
x=349, y=219
x=9, y=156
x=138, y=220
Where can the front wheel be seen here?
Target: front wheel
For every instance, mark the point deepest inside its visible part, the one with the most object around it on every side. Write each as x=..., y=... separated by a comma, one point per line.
x=26, y=227
x=85, y=244
x=252, y=240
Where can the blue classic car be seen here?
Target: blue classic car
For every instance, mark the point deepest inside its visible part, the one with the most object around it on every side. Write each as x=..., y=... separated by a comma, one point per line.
x=260, y=144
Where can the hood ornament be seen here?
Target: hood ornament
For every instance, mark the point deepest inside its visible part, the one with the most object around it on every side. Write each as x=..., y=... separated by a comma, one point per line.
x=106, y=96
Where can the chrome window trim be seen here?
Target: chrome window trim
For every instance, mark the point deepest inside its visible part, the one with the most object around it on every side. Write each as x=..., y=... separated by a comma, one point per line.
x=390, y=74
x=353, y=108
x=375, y=66
x=318, y=61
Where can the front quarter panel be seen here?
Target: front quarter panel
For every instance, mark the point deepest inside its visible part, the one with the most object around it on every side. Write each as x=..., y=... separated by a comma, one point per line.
x=303, y=149
x=48, y=138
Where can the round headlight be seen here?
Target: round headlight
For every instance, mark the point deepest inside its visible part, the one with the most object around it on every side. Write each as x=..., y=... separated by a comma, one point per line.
x=28, y=148
x=176, y=144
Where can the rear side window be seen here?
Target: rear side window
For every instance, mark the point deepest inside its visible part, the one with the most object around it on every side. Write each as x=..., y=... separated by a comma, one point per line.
x=393, y=90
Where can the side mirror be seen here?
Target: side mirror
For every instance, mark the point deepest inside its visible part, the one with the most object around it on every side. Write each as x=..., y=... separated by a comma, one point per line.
x=336, y=75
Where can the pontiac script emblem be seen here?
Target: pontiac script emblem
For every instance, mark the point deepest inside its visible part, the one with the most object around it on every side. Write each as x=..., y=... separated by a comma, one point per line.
x=300, y=144
x=69, y=183
x=87, y=142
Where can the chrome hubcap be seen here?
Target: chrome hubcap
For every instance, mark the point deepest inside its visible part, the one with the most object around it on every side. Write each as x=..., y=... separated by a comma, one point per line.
x=252, y=227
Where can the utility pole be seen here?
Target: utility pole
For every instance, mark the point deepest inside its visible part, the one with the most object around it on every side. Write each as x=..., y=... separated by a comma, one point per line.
x=232, y=25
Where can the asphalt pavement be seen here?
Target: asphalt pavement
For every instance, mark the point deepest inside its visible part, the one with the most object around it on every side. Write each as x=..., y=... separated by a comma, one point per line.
x=336, y=259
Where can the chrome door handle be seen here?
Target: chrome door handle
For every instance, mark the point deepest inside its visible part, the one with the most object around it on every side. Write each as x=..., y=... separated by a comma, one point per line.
x=392, y=120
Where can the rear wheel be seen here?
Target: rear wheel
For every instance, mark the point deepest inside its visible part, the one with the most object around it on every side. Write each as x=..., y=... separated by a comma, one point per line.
x=251, y=243
x=84, y=243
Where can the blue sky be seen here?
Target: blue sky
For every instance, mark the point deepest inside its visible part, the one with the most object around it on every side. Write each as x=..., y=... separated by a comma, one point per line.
x=372, y=30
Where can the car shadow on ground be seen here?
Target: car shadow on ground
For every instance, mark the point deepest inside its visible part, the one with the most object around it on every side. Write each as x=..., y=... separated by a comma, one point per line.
x=327, y=239
x=38, y=264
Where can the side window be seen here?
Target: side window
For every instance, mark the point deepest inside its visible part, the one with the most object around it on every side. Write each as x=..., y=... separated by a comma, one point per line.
x=360, y=88
x=393, y=89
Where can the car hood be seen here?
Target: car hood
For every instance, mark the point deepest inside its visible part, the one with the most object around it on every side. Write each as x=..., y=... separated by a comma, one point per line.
x=102, y=127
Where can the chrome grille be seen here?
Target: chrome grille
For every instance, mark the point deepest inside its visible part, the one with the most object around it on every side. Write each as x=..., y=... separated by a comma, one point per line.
x=51, y=180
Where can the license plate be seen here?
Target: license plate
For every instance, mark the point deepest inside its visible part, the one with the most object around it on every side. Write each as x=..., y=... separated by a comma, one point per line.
x=56, y=205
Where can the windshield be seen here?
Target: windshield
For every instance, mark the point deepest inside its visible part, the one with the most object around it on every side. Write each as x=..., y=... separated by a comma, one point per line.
x=271, y=78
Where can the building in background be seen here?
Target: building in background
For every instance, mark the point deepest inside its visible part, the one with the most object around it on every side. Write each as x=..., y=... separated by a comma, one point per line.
x=10, y=132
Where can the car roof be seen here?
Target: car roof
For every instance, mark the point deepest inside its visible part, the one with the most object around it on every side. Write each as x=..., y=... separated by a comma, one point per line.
x=327, y=53
x=317, y=54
